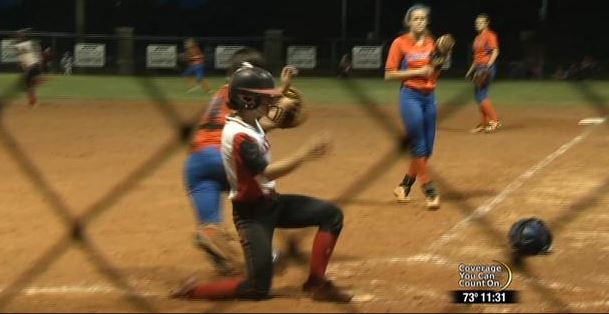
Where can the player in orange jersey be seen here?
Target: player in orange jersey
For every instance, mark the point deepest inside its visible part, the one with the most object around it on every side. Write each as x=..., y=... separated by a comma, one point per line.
x=195, y=60
x=409, y=61
x=486, y=50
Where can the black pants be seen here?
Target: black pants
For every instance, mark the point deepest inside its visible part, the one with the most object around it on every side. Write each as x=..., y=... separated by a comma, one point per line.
x=256, y=223
x=31, y=75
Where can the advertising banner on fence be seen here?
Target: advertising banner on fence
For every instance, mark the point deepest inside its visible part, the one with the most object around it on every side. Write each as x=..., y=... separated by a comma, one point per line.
x=90, y=55
x=303, y=57
x=161, y=56
x=9, y=53
x=223, y=54
x=367, y=57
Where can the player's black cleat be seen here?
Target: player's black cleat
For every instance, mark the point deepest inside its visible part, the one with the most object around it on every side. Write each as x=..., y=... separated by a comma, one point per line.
x=402, y=191
x=431, y=196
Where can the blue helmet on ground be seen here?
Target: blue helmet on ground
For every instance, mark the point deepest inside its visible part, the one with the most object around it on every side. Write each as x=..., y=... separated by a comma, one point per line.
x=530, y=236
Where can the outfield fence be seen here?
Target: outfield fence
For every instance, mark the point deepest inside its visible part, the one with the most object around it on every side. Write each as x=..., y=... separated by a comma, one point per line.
x=316, y=56
x=126, y=53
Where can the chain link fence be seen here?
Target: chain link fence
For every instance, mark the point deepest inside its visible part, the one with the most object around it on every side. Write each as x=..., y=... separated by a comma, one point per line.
x=76, y=226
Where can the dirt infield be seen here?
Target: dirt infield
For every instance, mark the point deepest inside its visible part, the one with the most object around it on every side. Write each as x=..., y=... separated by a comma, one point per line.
x=396, y=257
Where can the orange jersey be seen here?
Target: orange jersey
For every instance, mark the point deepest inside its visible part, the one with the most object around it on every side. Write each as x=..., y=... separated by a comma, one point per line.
x=209, y=128
x=194, y=55
x=483, y=46
x=405, y=54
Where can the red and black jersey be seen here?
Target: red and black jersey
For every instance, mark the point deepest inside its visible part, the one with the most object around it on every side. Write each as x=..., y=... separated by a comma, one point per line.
x=245, y=154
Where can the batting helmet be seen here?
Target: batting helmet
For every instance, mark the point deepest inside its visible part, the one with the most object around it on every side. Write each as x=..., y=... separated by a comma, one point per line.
x=248, y=85
x=246, y=55
x=530, y=236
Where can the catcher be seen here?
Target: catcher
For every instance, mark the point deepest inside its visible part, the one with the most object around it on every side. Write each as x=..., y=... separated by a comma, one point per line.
x=481, y=73
x=257, y=208
x=204, y=173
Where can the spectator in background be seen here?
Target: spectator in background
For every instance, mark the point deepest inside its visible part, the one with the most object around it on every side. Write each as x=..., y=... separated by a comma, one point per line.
x=66, y=63
x=344, y=66
x=588, y=67
x=560, y=73
x=29, y=56
x=47, y=59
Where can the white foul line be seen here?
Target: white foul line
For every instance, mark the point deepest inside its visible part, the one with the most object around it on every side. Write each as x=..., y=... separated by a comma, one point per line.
x=83, y=289
x=513, y=186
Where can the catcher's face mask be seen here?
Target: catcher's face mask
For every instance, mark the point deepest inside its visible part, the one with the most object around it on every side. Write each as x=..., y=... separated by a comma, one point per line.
x=265, y=105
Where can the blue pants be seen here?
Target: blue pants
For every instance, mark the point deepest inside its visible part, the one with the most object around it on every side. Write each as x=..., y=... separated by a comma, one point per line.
x=482, y=93
x=195, y=70
x=205, y=180
x=418, y=112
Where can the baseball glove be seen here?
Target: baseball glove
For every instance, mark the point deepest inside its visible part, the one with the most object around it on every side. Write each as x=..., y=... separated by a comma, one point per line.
x=481, y=77
x=288, y=111
x=444, y=47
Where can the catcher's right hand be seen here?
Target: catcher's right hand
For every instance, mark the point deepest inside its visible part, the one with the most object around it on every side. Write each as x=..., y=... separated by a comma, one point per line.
x=288, y=110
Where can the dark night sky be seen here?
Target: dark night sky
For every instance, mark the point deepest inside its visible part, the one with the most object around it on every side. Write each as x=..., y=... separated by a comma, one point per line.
x=574, y=22
x=249, y=18
x=313, y=18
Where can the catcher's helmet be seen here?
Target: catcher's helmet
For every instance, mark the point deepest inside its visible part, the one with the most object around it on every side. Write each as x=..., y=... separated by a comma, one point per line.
x=247, y=86
x=530, y=236
x=245, y=55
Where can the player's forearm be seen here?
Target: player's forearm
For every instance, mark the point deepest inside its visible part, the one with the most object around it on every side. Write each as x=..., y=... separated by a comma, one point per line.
x=471, y=69
x=401, y=74
x=493, y=57
x=284, y=166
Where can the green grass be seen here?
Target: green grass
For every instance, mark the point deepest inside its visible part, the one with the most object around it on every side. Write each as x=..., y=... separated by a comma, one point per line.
x=322, y=90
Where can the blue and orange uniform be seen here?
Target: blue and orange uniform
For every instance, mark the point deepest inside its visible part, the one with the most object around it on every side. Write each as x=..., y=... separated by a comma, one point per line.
x=418, y=109
x=417, y=98
x=204, y=171
x=484, y=45
x=195, y=59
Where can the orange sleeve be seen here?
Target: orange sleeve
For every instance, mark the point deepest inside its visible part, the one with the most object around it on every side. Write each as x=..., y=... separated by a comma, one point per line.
x=492, y=41
x=394, y=57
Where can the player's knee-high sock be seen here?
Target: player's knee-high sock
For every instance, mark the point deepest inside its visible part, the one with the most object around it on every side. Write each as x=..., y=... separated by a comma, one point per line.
x=323, y=245
x=421, y=166
x=489, y=109
x=412, y=171
x=483, y=116
x=31, y=95
x=225, y=289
